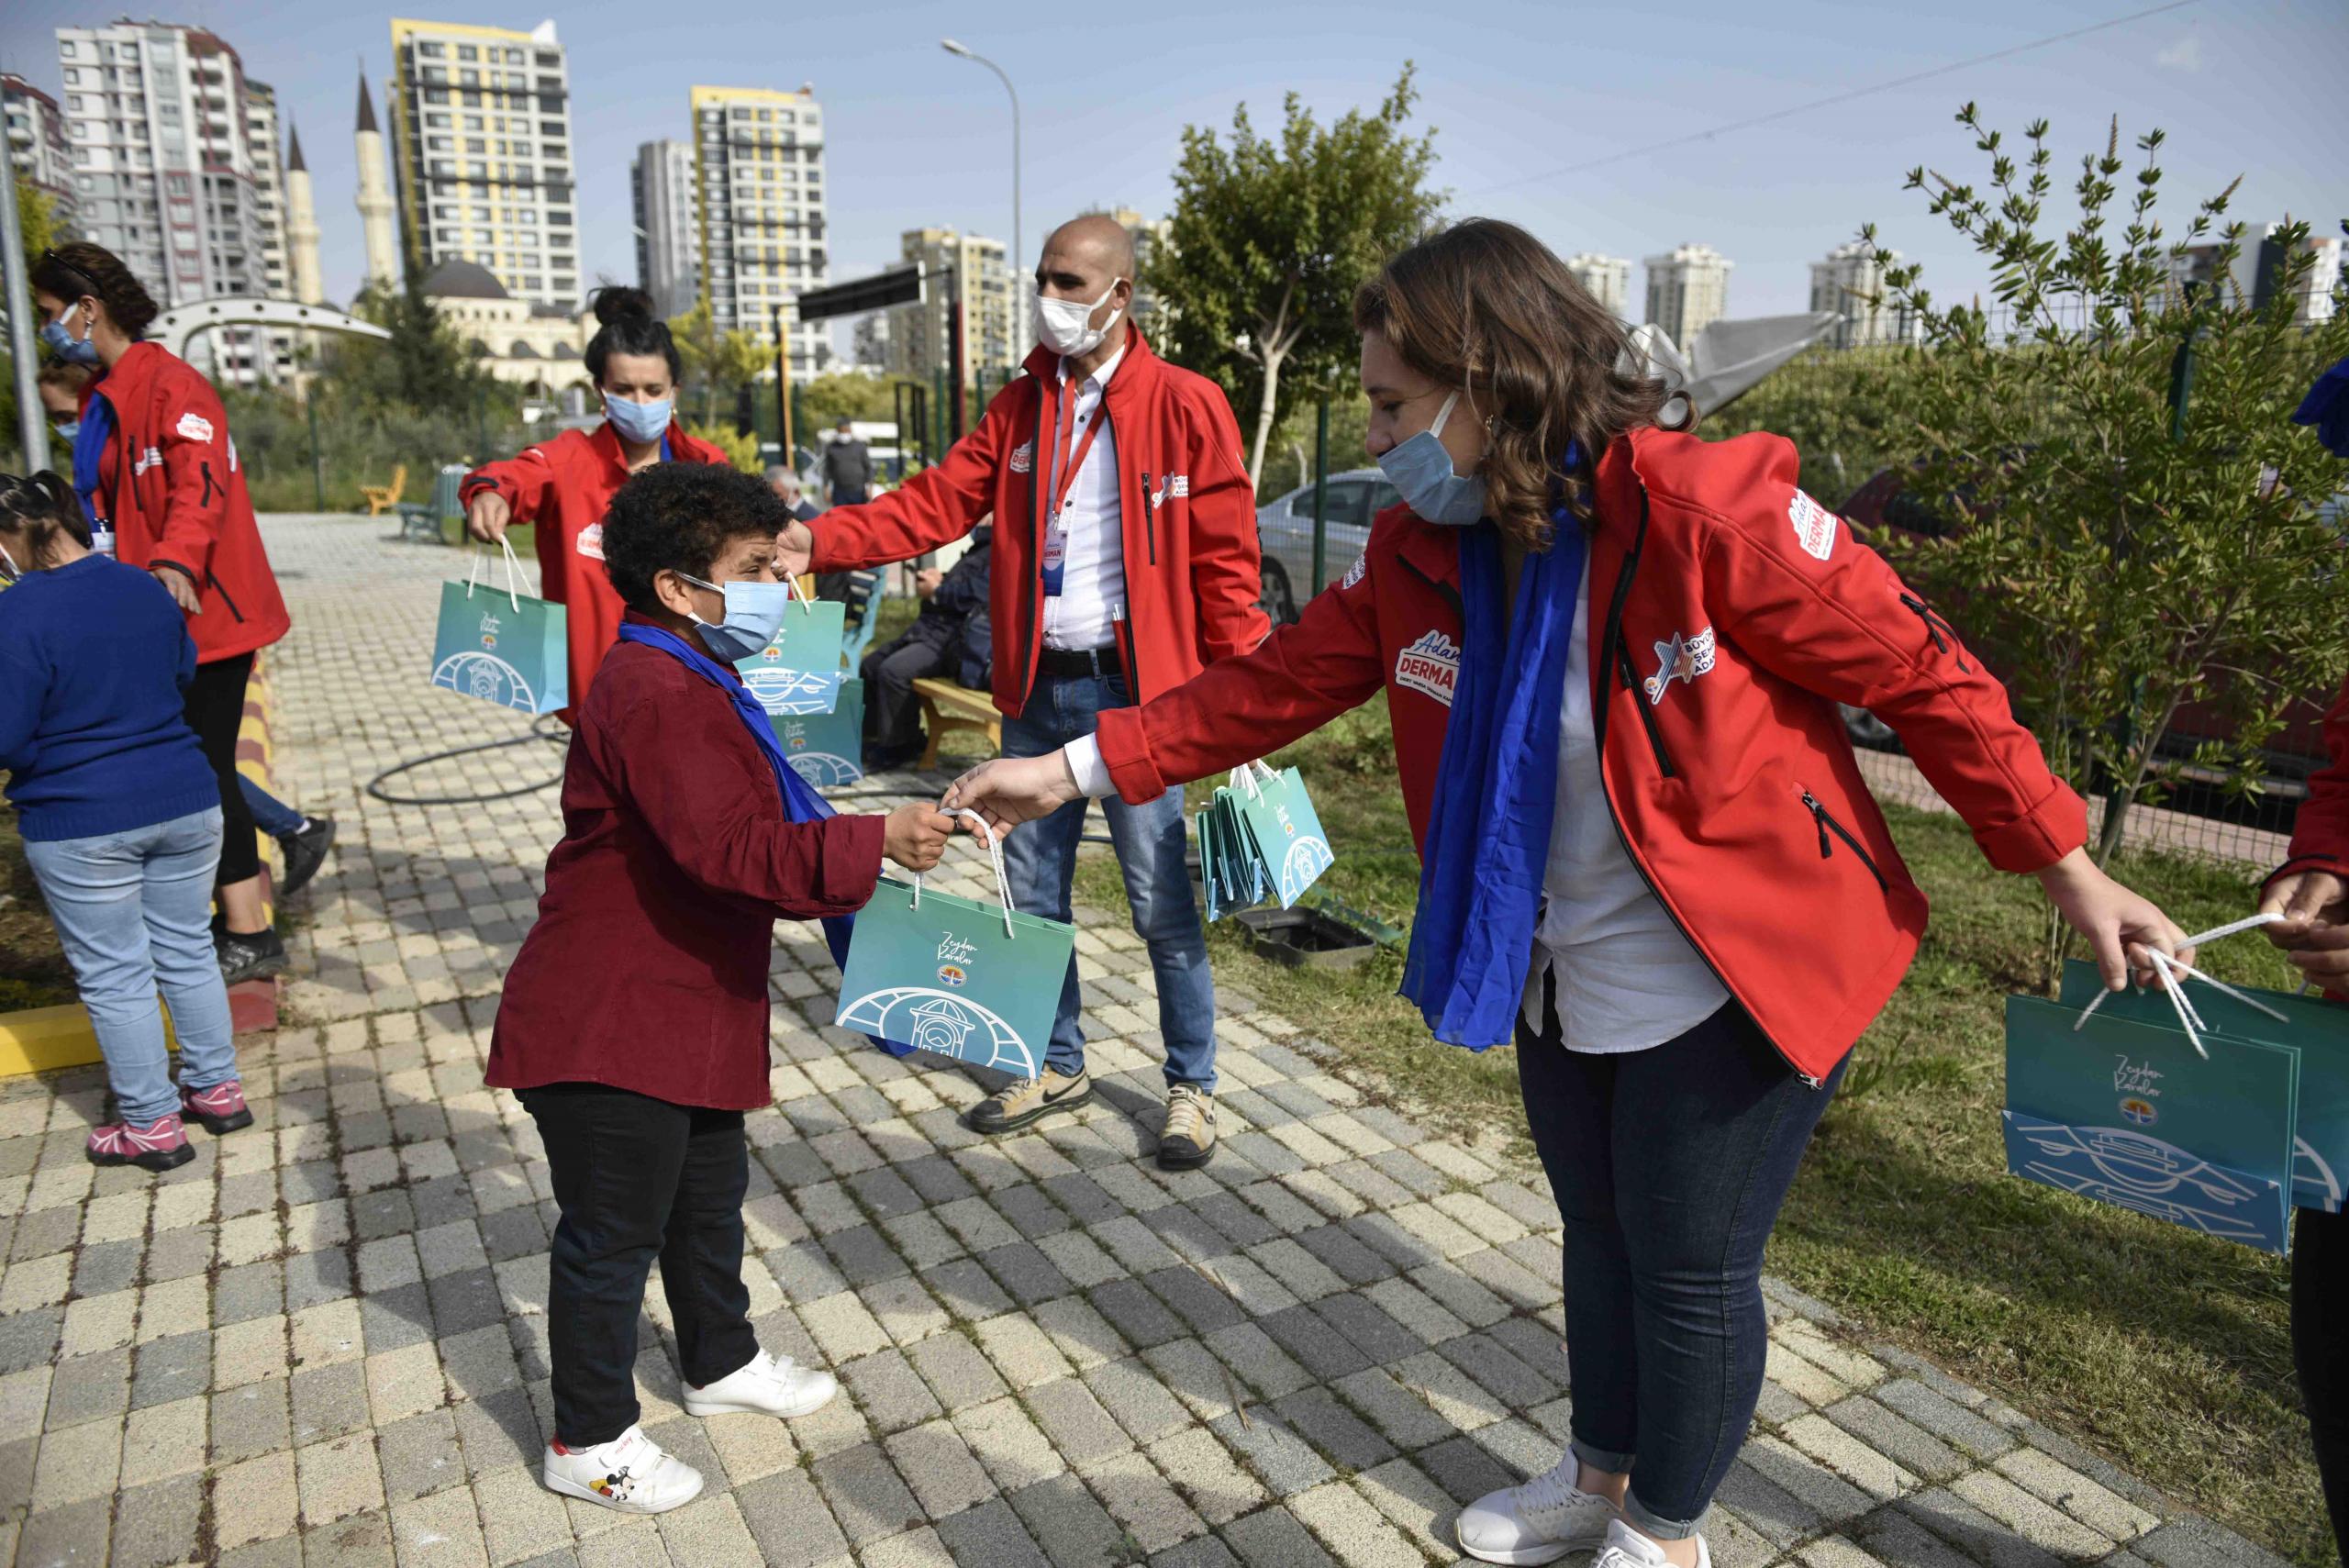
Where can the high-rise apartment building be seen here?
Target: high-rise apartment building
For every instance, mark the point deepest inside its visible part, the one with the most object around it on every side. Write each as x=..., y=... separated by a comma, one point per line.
x=2258, y=272
x=758, y=177
x=38, y=148
x=921, y=338
x=1687, y=291
x=481, y=151
x=171, y=175
x=1850, y=283
x=668, y=228
x=269, y=189
x=1151, y=241
x=1607, y=278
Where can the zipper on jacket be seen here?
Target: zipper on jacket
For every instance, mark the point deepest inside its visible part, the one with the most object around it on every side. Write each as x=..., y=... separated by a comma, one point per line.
x=1647, y=709
x=214, y=583
x=1945, y=634
x=1827, y=824
x=1149, y=519
x=208, y=485
x=1614, y=634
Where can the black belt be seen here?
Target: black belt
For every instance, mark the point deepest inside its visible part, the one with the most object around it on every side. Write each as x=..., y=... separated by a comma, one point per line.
x=1074, y=662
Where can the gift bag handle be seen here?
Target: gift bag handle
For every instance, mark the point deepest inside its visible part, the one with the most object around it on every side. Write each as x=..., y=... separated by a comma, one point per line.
x=994, y=856
x=512, y=573
x=1241, y=777
x=806, y=604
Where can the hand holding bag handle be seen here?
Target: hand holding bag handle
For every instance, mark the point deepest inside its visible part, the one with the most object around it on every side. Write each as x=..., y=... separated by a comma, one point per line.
x=512, y=573
x=1241, y=777
x=995, y=855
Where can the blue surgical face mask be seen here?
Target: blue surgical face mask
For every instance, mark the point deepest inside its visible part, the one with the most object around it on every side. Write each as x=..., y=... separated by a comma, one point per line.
x=635, y=421
x=754, y=613
x=64, y=345
x=1421, y=470
x=68, y=430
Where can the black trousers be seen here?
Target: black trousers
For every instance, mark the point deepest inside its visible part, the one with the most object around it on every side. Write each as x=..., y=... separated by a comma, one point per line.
x=636, y=1179
x=892, y=712
x=2321, y=1352
x=215, y=711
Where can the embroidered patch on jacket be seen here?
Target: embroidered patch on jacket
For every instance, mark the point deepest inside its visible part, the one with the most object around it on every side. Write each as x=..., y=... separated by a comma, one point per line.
x=1431, y=665
x=1680, y=658
x=148, y=458
x=1814, y=525
x=590, y=542
x=1179, y=485
x=192, y=427
x=1023, y=457
x=1355, y=573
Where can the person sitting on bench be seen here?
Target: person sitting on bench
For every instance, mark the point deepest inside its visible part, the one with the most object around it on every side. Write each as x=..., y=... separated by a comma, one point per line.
x=950, y=636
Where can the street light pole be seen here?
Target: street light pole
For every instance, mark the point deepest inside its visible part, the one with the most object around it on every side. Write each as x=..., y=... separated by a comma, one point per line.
x=1019, y=254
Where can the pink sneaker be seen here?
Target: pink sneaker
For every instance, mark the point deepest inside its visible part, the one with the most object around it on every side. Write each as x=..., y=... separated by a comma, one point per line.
x=156, y=1148
x=221, y=1107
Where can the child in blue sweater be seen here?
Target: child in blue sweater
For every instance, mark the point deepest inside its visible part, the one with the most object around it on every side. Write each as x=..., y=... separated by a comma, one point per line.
x=120, y=815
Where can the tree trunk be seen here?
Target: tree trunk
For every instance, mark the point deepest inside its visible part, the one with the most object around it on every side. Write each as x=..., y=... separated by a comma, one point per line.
x=1264, y=421
x=2118, y=804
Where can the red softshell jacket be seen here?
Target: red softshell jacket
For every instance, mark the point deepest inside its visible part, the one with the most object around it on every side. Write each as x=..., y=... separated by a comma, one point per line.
x=1187, y=521
x=564, y=486
x=170, y=482
x=1729, y=614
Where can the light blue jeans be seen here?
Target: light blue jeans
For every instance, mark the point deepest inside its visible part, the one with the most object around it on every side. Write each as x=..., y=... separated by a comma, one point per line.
x=1040, y=859
x=134, y=909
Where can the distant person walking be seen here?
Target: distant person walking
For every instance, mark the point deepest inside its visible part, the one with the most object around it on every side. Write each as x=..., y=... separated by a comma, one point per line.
x=162, y=487
x=848, y=468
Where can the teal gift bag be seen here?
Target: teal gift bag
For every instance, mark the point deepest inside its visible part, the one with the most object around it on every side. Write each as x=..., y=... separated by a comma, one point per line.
x=941, y=972
x=2319, y=1030
x=826, y=749
x=510, y=648
x=1282, y=830
x=2126, y=1111
x=799, y=671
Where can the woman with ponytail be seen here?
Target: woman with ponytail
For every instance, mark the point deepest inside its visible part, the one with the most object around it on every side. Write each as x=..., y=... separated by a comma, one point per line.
x=120, y=815
x=161, y=488
x=565, y=485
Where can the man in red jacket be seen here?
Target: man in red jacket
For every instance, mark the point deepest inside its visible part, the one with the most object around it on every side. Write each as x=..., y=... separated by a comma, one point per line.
x=1126, y=562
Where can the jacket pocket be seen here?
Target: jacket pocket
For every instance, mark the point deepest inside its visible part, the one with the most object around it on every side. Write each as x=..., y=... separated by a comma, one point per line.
x=209, y=483
x=1825, y=820
x=212, y=582
x=1945, y=634
x=1630, y=677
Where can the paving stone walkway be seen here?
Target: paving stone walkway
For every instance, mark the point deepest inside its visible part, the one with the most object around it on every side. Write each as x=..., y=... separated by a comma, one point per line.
x=324, y=1341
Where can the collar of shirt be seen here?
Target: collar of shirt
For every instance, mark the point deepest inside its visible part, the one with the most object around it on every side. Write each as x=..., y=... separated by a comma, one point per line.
x=1099, y=379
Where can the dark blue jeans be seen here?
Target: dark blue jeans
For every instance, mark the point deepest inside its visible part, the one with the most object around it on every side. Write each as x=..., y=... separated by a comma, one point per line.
x=1669, y=1165
x=270, y=815
x=1040, y=859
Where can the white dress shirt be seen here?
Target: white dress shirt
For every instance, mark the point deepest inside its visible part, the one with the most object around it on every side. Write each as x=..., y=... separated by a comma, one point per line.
x=1092, y=600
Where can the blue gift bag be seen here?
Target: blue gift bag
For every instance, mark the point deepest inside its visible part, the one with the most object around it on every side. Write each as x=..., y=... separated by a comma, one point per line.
x=504, y=647
x=826, y=749
x=939, y=973
x=799, y=672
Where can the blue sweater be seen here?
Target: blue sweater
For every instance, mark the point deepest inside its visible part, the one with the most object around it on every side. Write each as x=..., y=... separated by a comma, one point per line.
x=94, y=657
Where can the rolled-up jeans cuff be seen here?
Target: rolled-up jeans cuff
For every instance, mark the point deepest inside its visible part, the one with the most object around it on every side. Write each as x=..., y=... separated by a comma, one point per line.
x=1592, y=1457
x=1654, y=1526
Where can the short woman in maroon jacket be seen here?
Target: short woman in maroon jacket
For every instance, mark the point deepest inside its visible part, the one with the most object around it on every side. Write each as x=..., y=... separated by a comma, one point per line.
x=634, y=1019
x=1608, y=651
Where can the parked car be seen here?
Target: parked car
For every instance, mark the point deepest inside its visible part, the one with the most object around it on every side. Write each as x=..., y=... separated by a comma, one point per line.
x=1284, y=527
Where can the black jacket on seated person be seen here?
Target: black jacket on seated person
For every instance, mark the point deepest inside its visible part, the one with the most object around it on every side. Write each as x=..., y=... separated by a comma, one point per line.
x=949, y=637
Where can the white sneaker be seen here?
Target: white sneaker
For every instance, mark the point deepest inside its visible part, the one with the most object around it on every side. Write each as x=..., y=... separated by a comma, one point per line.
x=631, y=1473
x=765, y=1386
x=1539, y=1521
x=1627, y=1548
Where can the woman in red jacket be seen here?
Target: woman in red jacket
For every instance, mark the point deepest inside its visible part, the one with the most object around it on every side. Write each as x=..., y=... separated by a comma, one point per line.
x=1612, y=655
x=158, y=477
x=563, y=486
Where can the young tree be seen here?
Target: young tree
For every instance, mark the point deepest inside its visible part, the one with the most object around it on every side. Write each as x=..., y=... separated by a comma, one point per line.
x=422, y=365
x=1271, y=236
x=717, y=364
x=835, y=396
x=2137, y=522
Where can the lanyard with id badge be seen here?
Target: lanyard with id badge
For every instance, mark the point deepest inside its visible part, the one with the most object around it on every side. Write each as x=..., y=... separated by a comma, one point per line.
x=1059, y=480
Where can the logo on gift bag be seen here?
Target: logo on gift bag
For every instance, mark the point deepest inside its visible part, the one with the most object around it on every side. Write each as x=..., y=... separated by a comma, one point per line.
x=2134, y=1078
x=952, y=949
x=794, y=735
x=487, y=677
x=770, y=653
x=1431, y=665
x=952, y=974
x=2142, y=1112
x=489, y=631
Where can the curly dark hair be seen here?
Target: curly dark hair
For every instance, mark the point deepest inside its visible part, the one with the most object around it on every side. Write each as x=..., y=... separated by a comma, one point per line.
x=1485, y=307
x=34, y=511
x=626, y=325
x=679, y=517
x=71, y=270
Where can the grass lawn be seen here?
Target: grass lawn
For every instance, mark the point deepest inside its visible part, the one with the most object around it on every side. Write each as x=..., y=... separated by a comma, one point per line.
x=2169, y=1352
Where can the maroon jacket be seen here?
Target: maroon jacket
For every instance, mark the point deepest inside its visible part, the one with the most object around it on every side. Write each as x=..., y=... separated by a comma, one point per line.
x=2321, y=829
x=648, y=967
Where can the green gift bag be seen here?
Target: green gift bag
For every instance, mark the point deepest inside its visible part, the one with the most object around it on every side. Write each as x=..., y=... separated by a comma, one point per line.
x=2123, y=1109
x=1282, y=829
x=826, y=749
x=941, y=973
x=508, y=648
x=799, y=672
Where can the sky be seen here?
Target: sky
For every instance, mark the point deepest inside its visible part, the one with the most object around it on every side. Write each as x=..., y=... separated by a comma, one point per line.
x=1516, y=94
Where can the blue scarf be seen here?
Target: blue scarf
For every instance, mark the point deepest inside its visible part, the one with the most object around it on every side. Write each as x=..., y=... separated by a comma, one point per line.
x=1497, y=786
x=800, y=801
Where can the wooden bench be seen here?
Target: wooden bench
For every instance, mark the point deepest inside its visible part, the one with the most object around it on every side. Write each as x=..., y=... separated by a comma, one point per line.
x=947, y=709
x=381, y=498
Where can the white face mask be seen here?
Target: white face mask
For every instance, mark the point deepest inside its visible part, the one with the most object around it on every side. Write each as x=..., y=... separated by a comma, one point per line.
x=1064, y=325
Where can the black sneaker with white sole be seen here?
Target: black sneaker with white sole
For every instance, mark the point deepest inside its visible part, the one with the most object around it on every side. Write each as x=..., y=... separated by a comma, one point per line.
x=255, y=955
x=306, y=850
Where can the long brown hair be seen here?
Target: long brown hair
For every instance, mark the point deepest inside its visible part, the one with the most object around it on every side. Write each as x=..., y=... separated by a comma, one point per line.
x=1484, y=305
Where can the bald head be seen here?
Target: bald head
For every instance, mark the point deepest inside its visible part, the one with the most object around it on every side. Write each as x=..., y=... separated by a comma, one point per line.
x=1096, y=237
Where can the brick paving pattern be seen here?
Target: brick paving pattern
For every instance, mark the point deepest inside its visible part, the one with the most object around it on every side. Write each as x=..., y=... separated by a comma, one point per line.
x=324, y=1341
